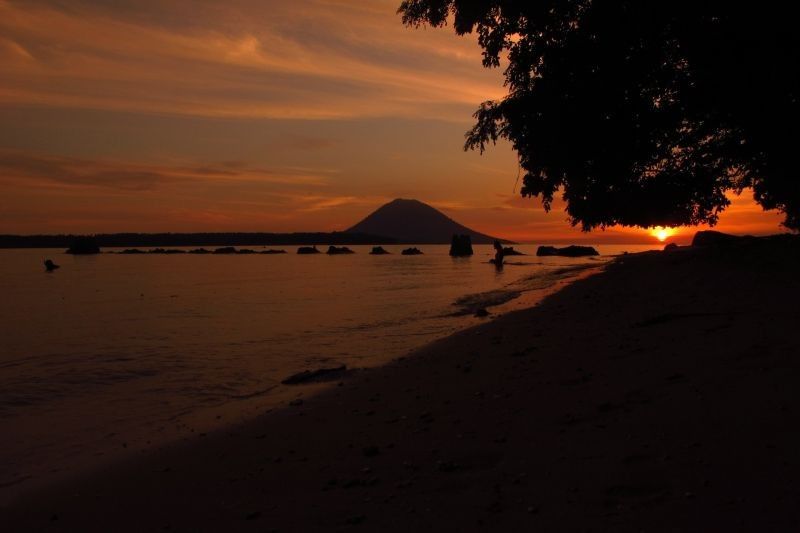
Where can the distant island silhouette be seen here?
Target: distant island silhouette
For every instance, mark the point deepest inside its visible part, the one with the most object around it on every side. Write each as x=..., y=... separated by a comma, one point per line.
x=398, y=222
x=415, y=222
x=134, y=240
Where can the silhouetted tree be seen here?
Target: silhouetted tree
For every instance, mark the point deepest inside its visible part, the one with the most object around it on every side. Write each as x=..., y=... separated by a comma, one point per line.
x=643, y=113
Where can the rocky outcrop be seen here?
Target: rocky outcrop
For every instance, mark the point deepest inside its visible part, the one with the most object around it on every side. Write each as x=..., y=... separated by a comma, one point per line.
x=307, y=250
x=84, y=246
x=461, y=246
x=227, y=250
x=339, y=250
x=166, y=251
x=412, y=251
x=568, y=251
x=378, y=250
x=717, y=238
x=50, y=266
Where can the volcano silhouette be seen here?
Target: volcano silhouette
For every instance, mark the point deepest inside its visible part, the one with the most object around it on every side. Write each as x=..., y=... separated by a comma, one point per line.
x=414, y=222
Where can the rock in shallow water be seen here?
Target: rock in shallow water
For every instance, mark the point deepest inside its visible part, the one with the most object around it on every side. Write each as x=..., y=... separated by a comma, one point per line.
x=412, y=251
x=569, y=251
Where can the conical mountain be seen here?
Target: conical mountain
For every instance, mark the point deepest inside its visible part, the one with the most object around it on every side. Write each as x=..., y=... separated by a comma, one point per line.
x=414, y=222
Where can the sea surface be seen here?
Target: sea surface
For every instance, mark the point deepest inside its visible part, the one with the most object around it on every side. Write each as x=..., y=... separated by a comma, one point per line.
x=112, y=355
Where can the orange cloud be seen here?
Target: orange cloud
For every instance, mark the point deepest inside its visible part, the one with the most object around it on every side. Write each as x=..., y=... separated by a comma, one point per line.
x=252, y=59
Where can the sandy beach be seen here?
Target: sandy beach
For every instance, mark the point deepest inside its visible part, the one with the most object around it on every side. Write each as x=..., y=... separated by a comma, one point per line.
x=657, y=395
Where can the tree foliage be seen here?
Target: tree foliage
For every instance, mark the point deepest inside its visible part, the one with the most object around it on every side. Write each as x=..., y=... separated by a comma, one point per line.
x=642, y=113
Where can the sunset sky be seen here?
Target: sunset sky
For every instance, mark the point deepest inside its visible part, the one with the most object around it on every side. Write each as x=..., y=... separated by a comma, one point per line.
x=253, y=115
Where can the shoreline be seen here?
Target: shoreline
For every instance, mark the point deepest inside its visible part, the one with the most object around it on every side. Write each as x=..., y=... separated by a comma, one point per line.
x=656, y=395
x=120, y=444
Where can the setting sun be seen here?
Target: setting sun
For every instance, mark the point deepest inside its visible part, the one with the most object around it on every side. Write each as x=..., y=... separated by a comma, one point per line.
x=662, y=234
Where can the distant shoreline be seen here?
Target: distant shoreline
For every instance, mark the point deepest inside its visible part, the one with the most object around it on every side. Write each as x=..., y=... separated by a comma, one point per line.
x=134, y=240
x=198, y=240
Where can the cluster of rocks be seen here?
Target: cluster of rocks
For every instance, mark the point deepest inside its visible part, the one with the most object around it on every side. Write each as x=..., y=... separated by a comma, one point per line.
x=460, y=246
x=569, y=251
x=305, y=250
x=227, y=250
x=333, y=250
x=411, y=251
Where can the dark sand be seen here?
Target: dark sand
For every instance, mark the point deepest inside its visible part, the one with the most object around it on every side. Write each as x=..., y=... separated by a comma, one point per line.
x=659, y=395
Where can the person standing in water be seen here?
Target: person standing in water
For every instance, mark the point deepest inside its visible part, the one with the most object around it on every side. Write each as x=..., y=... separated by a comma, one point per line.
x=498, y=254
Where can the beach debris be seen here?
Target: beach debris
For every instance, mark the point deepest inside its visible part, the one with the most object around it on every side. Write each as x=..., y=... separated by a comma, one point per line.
x=334, y=250
x=568, y=251
x=308, y=250
x=50, y=266
x=84, y=246
x=412, y=251
x=378, y=250
x=320, y=374
x=482, y=312
x=461, y=246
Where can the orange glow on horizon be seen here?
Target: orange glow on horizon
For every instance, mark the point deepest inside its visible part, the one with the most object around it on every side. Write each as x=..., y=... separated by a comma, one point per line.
x=662, y=233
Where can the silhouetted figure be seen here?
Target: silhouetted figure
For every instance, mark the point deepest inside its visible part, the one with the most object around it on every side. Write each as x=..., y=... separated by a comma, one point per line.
x=50, y=266
x=498, y=254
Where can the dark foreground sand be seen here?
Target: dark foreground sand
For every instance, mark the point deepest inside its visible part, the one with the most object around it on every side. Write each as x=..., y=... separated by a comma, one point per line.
x=660, y=395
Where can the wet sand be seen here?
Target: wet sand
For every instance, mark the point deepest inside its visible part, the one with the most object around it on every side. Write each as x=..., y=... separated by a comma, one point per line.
x=658, y=395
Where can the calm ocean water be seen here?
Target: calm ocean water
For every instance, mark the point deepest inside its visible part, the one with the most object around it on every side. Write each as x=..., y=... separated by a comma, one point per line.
x=115, y=354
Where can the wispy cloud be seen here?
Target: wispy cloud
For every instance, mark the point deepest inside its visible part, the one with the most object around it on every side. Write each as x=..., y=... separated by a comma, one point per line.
x=311, y=59
x=129, y=176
